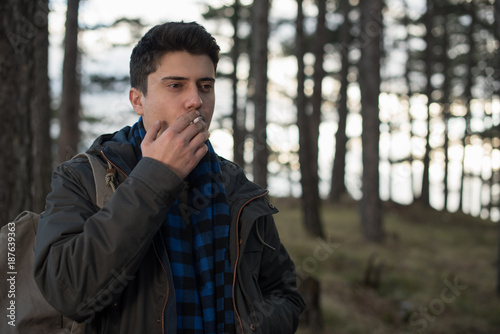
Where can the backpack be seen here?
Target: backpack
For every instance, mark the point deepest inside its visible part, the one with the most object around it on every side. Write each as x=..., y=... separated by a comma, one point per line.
x=24, y=309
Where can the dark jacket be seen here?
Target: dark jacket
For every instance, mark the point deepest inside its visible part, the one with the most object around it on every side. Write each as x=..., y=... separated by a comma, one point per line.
x=110, y=268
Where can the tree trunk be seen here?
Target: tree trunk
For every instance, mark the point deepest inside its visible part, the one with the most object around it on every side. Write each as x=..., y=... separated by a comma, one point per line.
x=468, y=98
x=371, y=208
x=446, y=115
x=429, y=40
x=408, y=81
x=317, y=97
x=338, y=188
x=312, y=317
x=260, y=33
x=497, y=35
x=237, y=115
x=309, y=171
x=69, y=112
x=24, y=95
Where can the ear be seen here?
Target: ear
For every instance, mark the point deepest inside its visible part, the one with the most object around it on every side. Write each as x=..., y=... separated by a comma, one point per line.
x=135, y=96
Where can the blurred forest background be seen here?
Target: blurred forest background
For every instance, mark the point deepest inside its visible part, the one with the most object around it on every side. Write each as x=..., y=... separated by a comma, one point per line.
x=377, y=124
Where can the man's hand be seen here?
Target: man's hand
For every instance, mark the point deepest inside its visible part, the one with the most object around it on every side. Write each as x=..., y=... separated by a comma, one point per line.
x=181, y=146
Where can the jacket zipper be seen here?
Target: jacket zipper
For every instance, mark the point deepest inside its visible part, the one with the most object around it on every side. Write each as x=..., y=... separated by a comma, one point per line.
x=167, y=293
x=238, y=244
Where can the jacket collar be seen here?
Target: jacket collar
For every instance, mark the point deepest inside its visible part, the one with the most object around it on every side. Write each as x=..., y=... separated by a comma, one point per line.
x=117, y=149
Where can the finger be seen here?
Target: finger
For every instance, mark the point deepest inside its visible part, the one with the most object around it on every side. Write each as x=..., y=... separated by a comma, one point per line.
x=200, y=139
x=194, y=129
x=201, y=151
x=152, y=132
x=185, y=120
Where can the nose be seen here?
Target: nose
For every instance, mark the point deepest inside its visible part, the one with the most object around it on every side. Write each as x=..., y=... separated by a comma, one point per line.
x=193, y=99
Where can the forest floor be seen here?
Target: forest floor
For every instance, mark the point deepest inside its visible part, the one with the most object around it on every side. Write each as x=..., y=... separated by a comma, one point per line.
x=435, y=273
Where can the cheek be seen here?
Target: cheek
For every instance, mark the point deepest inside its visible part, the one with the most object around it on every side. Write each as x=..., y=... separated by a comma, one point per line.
x=208, y=116
x=155, y=111
x=209, y=111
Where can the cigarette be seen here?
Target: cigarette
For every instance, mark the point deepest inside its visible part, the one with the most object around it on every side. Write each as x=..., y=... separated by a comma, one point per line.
x=197, y=119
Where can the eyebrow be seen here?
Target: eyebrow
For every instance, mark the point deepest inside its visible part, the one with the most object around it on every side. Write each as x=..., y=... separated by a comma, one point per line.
x=184, y=78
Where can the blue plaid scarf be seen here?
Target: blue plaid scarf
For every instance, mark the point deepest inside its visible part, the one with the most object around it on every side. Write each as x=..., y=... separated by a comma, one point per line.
x=197, y=241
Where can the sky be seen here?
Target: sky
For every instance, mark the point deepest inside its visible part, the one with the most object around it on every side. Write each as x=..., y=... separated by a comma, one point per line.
x=93, y=11
x=152, y=11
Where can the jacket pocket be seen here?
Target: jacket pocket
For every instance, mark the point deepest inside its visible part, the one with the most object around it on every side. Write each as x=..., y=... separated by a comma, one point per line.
x=252, y=257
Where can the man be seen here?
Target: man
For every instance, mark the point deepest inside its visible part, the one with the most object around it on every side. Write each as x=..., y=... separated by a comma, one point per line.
x=186, y=243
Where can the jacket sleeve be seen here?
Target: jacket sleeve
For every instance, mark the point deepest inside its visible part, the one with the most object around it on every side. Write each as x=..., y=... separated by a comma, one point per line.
x=282, y=302
x=83, y=254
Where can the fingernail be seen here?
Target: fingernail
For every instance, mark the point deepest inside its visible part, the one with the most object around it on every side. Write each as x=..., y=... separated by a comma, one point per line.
x=197, y=119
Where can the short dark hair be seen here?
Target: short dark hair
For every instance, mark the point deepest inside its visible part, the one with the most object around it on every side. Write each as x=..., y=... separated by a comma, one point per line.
x=169, y=37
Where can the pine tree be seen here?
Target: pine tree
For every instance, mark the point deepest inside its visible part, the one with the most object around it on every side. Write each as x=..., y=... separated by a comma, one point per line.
x=24, y=95
x=69, y=111
x=369, y=81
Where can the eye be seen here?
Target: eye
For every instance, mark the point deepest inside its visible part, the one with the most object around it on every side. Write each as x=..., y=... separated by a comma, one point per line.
x=207, y=87
x=174, y=85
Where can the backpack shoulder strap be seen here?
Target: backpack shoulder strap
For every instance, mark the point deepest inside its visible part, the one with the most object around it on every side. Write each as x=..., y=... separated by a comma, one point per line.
x=104, y=186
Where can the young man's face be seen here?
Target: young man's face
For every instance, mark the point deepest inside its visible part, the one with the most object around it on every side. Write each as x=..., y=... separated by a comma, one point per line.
x=181, y=83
